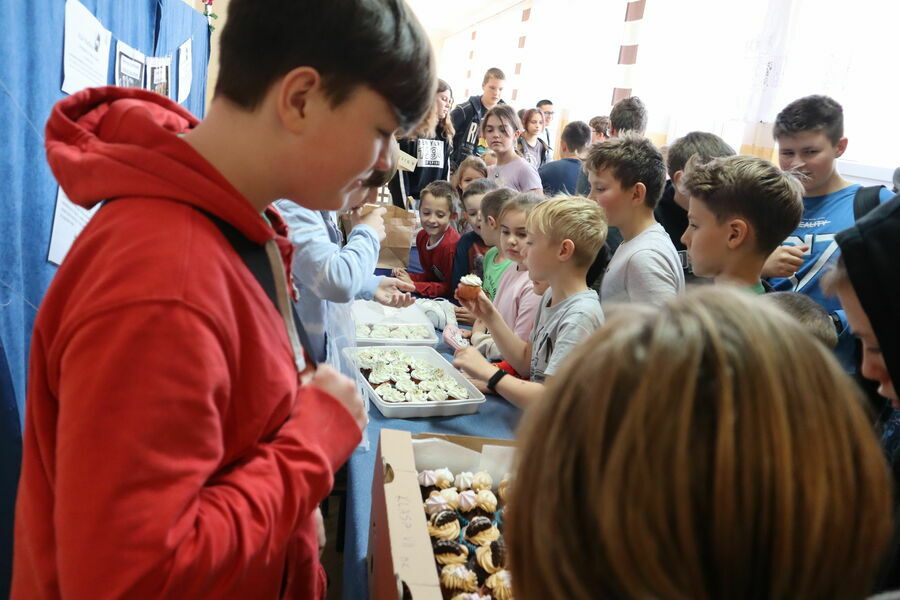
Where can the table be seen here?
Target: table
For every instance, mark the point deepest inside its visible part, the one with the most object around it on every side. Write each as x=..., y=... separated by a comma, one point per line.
x=496, y=418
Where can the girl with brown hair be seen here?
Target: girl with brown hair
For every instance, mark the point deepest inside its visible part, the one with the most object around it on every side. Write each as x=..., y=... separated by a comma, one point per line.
x=706, y=450
x=431, y=145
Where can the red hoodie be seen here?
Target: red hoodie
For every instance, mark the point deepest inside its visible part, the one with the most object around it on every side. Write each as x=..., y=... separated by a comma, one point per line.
x=170, y=451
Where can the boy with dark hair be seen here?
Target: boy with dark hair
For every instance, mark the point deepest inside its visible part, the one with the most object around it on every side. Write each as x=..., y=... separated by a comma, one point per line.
x=470, y=249
x=599, y=129
x=671, y=212
x=561, y=176
x=629, y=114
x=741, y=207
x=810, y=136
x=546, y=108
x=178, y=438
x=466, y=117
x=627, y=175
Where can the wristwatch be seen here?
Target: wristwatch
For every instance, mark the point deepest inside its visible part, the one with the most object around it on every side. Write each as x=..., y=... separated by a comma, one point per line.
x=495, y=379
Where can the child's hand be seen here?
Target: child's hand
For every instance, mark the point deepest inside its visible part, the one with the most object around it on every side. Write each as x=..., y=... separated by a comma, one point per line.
x=473, y=363
x=374, y=219
x=481, y=307
x=466, y=333
x=480, y=384
x=784, y=261
x=463, y=316
x=395, y=292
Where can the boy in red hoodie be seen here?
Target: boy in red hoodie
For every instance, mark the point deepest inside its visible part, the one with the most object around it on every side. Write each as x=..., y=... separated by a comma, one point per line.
x=177, y=443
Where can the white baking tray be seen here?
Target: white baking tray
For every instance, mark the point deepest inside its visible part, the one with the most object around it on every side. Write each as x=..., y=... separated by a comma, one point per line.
x=371, y=312
x=406, y=410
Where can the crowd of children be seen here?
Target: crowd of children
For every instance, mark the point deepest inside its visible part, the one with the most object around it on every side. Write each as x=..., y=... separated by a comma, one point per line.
x=699, y=443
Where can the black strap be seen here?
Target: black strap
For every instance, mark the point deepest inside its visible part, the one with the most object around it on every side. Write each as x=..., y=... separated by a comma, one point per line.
x=257, y=261
x=865, y=200
x=495, y=379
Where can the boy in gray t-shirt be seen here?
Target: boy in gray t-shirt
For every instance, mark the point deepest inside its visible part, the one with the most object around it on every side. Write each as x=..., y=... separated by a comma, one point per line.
x=627, y=175
x=564, y=236
x=560, y=328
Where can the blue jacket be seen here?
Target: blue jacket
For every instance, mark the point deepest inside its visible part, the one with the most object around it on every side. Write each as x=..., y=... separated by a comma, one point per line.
x=328, y=277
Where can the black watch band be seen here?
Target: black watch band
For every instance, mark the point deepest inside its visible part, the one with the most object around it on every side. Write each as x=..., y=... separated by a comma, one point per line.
x=495, y=379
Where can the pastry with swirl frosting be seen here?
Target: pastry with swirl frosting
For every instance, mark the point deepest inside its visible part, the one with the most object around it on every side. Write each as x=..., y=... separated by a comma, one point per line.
x=450, y=552
x=444, y=478
x=463, y=481
x=480, y=531
x=482, y=481
x=444, y=525
x=500, y=585
x=427, y=482
x=485, y=505
x=458, y=578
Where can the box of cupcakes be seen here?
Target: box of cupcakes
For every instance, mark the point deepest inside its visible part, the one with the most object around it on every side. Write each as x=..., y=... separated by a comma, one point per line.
x=437, y=528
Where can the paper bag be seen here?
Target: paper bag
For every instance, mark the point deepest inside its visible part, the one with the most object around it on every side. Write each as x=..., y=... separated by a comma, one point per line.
x=400, y=229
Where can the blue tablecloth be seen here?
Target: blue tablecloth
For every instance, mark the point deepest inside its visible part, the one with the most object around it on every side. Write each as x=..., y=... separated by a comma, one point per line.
x=496, y=418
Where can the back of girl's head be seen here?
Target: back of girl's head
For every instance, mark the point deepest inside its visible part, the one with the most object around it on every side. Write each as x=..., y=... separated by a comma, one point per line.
x=493, y=202
x=507, y=116
x=706, y=449
x=523, y=202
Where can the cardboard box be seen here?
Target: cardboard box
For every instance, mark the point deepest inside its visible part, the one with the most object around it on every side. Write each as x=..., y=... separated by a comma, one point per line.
x=400, y=562
x=400, y=231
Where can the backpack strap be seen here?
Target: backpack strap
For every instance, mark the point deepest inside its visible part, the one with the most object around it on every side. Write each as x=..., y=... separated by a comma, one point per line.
x=256, y=259
x=865, y=200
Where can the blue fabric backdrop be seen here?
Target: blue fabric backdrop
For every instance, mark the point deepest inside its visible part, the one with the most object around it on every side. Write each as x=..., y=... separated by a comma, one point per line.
x=31, y=73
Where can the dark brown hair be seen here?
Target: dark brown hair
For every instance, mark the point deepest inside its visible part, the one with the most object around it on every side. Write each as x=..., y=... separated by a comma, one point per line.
x=378, y=43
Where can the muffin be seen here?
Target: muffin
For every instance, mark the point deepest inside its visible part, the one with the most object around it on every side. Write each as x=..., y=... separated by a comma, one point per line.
x=479, y=532
x=469, y=287
x=485, y=505
x=456, y=579
x=463, y=481
x=470, y=596
x=468, y=501
x=427, y=482
x=452, y=497
x=503, y=489
x=444, y=478
x=500, y=585
x=490, y=559
x=444, y=525
x=450, y=552
x=436, y=503
x=482, y=481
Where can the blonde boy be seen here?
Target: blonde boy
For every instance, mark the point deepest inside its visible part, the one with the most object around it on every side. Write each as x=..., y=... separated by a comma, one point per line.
x=564, y=235
x=627, y=175
x=740, y=209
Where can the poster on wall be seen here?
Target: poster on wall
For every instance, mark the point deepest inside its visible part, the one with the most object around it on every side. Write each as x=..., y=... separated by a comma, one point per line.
x=68, y=221
x=130, y=66
x=158, y=75
x=85, y=49
x=185, y=70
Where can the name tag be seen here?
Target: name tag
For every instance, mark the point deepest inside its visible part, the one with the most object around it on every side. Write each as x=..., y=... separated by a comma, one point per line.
x=431, y=154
